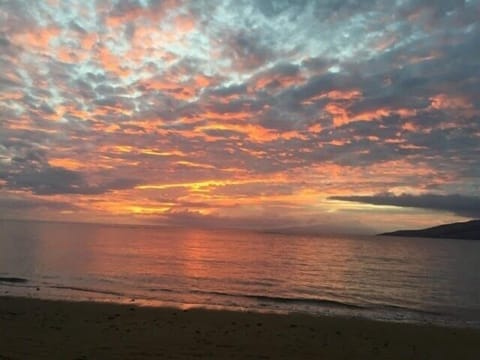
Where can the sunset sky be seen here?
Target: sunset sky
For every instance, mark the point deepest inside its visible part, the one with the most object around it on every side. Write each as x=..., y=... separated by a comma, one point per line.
x=341, y=115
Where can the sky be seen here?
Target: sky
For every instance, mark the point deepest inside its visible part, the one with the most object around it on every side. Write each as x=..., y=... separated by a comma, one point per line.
x=349, y=116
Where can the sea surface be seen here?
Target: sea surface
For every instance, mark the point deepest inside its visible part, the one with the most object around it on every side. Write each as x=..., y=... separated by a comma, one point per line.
x=384, y=278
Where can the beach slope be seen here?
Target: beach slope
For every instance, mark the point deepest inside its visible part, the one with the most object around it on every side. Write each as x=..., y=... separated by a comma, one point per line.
x=41, y=329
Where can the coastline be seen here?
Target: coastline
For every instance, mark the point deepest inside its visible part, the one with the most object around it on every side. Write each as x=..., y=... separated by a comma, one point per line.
x=56, y=329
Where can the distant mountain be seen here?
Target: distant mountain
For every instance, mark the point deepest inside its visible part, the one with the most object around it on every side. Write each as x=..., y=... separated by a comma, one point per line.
x=469, y=230
x=321, y=229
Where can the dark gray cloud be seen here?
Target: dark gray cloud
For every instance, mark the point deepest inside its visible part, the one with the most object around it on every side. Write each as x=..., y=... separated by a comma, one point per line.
x=246, y=51
x=29, y=170
x=195, y=219
x=50, y=180
x=277, y=7
x=4, y=42
x=226, y=91
x=467, y=206
x=9, y=204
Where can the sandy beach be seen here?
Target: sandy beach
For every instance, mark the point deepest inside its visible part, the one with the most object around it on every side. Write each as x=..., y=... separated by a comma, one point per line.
x=42, y=329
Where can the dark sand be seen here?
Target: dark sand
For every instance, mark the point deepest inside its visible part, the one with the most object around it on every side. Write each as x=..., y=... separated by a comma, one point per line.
x=39, y=329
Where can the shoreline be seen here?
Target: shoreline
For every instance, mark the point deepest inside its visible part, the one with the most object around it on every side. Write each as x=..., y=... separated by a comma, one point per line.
x=422, y=318
x=33, y=328
x=338, y=310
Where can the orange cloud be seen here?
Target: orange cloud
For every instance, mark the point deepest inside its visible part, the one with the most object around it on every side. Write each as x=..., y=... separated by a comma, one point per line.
x=275, y=81
x=444, y=101
x=184, y=23
x=414, y=59
x=315, y=128
x=71, y=164
x=339, y=114
x=409, y=126
x=211, y=184
x=38, y=38
x=162, y=153
x=344, y=94
x=254, y=132
x=11, y=95
x=115, y=21
x=342, y=116
x=384, y=42
x=234, y=115
x=338, y=95
x=111, y=62
x=108, y=128
x=194, y=164
x=153, y=13
x=203, y=81
x=87, y=41
x=71, y=56
x=176, y=89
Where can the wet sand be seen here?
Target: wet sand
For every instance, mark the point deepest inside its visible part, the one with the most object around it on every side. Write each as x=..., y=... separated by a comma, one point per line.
x=41, y=329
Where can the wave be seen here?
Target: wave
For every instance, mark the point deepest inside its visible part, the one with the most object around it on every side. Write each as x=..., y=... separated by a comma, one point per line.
x=388, y=307
x=385, y=307
x=263, y=300
x=283, y=300
x=85, y=289
x=260, y=298
x=13, y=280
x=108, y=292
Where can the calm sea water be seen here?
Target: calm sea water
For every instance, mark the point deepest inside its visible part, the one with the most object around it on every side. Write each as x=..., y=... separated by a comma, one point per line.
x=388, y=278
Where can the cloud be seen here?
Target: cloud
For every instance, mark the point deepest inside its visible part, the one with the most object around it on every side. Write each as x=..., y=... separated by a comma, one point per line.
x=245, y=51
x=4, y=42
x=195, y=219
x=52, y=180
x=18, y=204
x=98, y=97
x=30, y=170
x=467, y=206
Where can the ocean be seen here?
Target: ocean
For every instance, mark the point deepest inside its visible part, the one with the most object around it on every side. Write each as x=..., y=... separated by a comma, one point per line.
x=384, y=278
